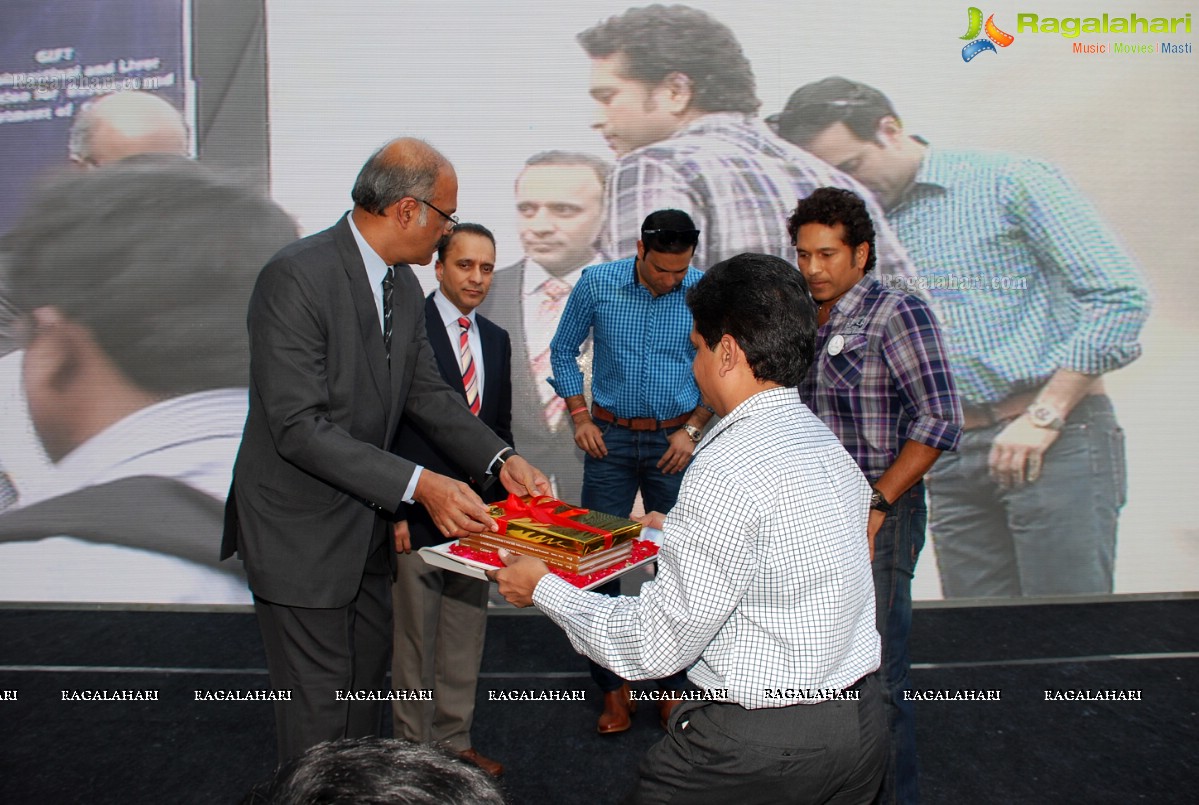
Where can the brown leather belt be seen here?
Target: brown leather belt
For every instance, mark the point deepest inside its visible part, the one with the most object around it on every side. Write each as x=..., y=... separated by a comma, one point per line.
x=637, y=422
x=982, y=416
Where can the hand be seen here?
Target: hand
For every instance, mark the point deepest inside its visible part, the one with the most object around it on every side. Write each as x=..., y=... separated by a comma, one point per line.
x=872, y=526
x=678, y=454
x=402, y=538
x=521, y=478
x=518, y=578
x=454, y=507
x=590, y=440
x=651, y=520
x=1018, y=452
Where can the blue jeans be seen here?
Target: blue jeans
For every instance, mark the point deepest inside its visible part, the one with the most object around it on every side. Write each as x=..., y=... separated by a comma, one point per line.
x=1056, y=536
x=610, y=485
x=896, y=548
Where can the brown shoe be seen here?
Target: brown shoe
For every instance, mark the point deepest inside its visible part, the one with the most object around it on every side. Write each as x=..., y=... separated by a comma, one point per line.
x=617, y=707
x=492, y=767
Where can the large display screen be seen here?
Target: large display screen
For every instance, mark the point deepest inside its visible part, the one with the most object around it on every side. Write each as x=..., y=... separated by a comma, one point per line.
x=1105, y=94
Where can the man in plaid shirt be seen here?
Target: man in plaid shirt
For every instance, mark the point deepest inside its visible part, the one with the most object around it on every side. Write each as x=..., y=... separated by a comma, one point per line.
x=881, y=382
x=677, y=104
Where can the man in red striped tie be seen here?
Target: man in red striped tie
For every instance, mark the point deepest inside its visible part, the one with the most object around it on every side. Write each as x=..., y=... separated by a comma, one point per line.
x=439, y=616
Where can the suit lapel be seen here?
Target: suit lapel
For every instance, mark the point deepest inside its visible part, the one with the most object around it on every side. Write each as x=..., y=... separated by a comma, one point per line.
x=493, y=360
x=444, y=349
x=364, y=308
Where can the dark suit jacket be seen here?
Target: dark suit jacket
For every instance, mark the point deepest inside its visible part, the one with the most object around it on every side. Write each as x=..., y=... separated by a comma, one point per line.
x=552, y=453
x=314, y=484
x=415, y=444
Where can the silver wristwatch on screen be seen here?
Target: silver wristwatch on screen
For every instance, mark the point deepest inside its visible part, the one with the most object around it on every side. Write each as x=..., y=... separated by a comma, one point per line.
x=1043, y=415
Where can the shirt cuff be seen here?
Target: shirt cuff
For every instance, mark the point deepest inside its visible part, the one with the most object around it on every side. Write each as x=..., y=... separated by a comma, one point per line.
x=939, y=434
x=554, y=594
x=503, y=450
x=410, y=490
x=566, y=385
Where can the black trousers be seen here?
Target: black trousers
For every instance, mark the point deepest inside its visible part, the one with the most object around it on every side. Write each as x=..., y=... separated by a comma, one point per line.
x=715, y=753
x=315, y=653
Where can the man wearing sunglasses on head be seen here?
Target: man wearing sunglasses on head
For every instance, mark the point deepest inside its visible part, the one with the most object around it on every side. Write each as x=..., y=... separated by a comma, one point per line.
x=646, y=417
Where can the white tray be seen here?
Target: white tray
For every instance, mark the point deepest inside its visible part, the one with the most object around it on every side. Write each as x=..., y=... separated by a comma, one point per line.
x=440, y=556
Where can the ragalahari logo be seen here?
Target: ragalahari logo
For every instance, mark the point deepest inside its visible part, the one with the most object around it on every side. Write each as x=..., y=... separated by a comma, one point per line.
x=994, y=35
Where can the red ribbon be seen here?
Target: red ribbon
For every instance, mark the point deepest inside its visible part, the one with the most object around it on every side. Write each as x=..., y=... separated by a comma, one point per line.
x=540, y=509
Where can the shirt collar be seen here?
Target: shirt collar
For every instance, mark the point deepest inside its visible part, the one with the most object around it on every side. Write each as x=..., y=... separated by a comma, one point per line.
x=714, y=121
x=936, y=171
x=449, y=313
x=376, y=268
x=536, y=275
x=851, y=301
x=763, y=400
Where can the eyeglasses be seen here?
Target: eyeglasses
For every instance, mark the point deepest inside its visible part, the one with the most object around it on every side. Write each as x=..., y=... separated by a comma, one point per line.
x=670, y=238
x=843, y=108
x=453, y=219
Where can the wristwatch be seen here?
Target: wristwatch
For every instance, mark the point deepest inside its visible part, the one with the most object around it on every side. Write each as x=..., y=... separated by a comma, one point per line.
x=878, y=502
x=695, y=433
x=1042, y=415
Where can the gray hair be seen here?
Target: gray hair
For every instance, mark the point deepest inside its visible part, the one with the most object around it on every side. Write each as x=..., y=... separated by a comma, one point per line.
x=385, y=179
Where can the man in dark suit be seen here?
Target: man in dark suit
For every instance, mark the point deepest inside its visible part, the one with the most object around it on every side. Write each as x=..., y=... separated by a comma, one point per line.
x=441, y=616
x=559, y=212
x=338, y=357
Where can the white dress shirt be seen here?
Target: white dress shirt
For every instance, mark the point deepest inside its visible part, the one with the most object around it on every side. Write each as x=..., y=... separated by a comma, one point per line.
x=764, y=579
x=192, y=439
x=449, y=318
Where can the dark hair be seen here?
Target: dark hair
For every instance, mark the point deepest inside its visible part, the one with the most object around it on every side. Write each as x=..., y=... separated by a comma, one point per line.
x=385, y=180
x=763, y=302
x=831, y=206
x=659, y=40
x=156, y=257
x=814, y=107
x=600, y=166
x=377, y=771
x=443, y=244
x=669, y=232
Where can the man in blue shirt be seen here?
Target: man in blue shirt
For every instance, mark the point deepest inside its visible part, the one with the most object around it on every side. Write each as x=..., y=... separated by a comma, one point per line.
x=1037, y=300
x=646, y=416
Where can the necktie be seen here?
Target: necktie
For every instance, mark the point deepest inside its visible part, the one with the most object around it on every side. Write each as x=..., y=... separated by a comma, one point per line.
x=388, y=286
x=466, y=361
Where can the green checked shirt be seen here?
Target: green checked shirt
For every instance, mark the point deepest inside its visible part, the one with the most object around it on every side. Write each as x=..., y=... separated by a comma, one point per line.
x=1025, y=277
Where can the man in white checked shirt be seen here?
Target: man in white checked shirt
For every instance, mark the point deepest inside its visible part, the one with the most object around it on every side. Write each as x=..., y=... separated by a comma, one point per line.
x=764, y=591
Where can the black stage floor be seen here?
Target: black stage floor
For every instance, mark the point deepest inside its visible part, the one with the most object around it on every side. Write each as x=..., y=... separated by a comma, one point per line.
x=1021, y=748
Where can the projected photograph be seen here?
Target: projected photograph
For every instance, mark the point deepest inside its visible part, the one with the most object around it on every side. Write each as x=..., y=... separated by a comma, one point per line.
x=1032, y=180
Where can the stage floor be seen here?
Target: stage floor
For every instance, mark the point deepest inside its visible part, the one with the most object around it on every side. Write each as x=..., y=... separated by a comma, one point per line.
x=1021, y=747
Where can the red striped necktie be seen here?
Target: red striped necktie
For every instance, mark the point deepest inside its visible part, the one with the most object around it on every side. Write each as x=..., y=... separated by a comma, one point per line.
x=466, y=362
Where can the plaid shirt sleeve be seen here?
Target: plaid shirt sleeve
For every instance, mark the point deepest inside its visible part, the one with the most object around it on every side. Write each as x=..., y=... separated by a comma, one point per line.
x=567, y=379
x=1066, y=232
x=916, y=359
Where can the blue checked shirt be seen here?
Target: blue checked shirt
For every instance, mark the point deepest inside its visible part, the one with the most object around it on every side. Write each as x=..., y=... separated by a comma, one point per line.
x=1024, y=276
x=641, y=364
x=889, y=380
x=739, y=183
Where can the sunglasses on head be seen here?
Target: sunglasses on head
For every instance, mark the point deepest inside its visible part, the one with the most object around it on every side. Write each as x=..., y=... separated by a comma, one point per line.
x=668, y=238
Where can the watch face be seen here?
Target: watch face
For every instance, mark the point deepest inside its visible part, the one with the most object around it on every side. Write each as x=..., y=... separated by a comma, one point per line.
x=1043, y=416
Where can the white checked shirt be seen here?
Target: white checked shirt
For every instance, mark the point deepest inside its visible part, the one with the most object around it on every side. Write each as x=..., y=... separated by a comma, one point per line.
x=764, y=577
